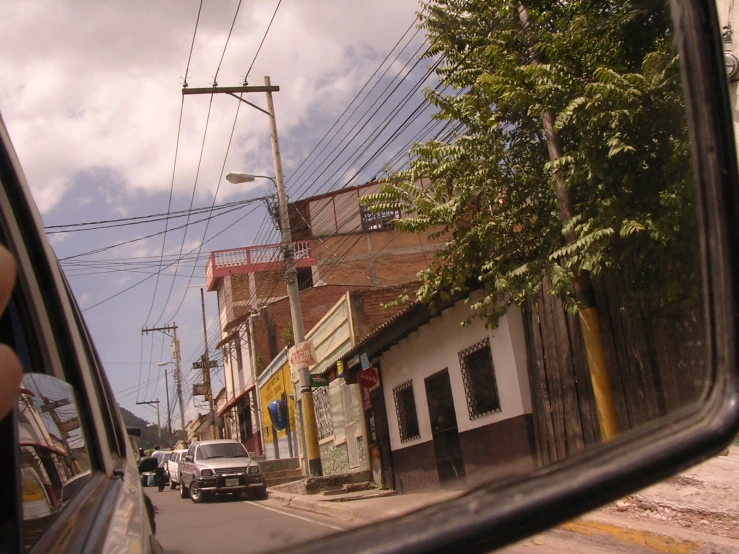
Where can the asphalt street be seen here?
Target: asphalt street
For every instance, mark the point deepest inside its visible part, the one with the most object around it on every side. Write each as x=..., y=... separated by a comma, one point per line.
x=225, y=526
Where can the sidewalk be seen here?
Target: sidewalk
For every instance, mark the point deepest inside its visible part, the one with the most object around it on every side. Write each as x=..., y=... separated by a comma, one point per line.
x=696, y=511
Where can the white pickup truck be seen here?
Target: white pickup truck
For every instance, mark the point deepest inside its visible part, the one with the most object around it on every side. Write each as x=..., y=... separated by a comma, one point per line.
x=173, y=470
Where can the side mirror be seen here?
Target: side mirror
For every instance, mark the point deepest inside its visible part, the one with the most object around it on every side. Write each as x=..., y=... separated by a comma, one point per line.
x=188, y=458
x=133, y=431
x=148, y=464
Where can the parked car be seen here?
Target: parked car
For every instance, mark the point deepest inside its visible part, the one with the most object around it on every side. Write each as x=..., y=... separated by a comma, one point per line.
x=220, y=467
x=173, y=467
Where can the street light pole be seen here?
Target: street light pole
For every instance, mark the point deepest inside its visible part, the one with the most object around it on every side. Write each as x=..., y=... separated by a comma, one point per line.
x=310, y=428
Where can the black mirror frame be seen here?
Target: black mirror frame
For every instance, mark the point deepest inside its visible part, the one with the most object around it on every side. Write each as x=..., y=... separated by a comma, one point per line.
x=479, y=521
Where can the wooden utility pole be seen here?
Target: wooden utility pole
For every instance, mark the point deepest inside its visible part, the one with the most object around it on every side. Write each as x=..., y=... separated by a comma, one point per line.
x=310, y=427
x=206, y=372
x=178, y=372
x=587, y=312
x=159, y=422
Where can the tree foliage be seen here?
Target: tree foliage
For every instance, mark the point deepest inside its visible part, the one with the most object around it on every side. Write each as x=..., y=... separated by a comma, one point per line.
x=607, y=70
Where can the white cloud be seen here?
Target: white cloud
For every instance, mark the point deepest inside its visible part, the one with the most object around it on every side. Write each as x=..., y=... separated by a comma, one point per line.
x=98, y=90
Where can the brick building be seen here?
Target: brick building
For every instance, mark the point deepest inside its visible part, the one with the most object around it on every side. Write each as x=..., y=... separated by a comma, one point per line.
x=339, y=247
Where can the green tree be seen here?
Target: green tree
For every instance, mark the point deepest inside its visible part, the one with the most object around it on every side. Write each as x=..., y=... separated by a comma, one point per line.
x=607, y=72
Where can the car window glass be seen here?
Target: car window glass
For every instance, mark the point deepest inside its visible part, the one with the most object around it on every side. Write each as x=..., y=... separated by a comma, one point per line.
x=221, y=450
x=54, y=455
x=54, y=461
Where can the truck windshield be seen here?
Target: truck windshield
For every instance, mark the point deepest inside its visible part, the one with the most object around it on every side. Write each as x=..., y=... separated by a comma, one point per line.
x=222, y=450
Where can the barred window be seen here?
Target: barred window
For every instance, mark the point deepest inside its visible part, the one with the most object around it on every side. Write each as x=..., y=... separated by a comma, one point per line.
x=376, y=221
x=478, y=375
x=322, y=404
x=405, y=408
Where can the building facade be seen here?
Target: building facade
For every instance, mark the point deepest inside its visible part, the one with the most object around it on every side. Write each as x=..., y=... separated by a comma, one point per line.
x=452, y=404
x=338, y=247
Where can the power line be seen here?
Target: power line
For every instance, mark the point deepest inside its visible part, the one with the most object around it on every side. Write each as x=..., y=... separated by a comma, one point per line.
x=297, y=173
x=135, y=220
x=246, y=77
x=215, y=196
x=228, y=38
x=192, y=44
x=171, y=264
x=192, y=200
x=110, y=247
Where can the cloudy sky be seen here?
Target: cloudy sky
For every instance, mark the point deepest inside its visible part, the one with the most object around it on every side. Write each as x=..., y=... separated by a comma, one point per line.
x=91, y=95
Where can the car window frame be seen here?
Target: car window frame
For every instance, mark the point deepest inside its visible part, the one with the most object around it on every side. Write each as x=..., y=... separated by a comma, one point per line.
x=44, y=305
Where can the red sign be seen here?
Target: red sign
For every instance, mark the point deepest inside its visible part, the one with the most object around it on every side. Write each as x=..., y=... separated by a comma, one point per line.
x=368, y=378
x=367, y=400
x=302, y=355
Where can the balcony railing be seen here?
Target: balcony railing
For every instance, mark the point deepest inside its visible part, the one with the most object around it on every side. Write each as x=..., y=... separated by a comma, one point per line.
x=251, y=259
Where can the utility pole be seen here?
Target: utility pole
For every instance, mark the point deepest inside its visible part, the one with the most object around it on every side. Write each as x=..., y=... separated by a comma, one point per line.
x=310, y=428
x=178, y=374
x=206, y=371
x=159, y=423
x=588, y=312
x=166, y=386
x=291, y=275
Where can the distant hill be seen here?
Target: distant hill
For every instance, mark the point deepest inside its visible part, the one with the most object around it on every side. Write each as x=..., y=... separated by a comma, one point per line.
x=149, y=431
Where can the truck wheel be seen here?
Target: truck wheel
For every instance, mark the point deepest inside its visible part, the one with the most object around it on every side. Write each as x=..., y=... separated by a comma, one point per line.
x=196, y=495
x=184, y=491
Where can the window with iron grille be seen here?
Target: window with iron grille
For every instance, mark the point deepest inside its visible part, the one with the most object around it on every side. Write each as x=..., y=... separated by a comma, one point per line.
x=478, y=375
x=322, y=404
x=405, y=408
x=377, y=221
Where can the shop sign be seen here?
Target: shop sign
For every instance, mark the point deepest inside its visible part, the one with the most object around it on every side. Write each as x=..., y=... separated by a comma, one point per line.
x=368, y=378
x=302, y=355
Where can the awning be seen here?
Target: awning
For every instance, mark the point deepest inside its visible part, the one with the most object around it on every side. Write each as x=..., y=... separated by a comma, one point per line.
x=234, y=400
x=229, y=338
x=236, y=322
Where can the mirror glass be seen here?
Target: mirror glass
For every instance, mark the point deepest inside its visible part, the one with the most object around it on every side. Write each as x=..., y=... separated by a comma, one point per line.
x=565, y=279
x=54, y=463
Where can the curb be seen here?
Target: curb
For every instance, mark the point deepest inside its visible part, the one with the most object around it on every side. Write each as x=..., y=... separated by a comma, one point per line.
x=649, y=536
x=656, y=542
x=300, y=502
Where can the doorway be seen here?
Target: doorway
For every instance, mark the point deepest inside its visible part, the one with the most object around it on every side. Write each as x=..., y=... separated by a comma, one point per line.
x=444, y=430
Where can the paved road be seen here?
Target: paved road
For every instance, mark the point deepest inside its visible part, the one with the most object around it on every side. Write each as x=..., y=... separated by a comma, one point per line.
x=225, y=526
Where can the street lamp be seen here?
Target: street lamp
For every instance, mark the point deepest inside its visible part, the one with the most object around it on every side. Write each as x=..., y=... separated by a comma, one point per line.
x=237, y=178
x=166, y=385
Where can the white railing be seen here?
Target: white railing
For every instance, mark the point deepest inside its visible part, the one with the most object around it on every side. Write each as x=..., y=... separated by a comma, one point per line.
x=249, y=255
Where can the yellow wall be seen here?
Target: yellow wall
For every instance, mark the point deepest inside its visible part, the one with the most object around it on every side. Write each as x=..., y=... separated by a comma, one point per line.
x=272, y=390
